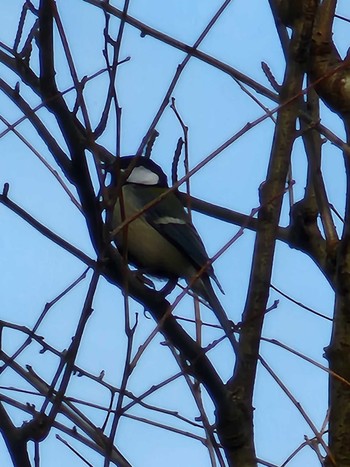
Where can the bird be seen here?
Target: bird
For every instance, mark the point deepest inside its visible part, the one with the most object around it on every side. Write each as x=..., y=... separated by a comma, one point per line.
x=162, y=240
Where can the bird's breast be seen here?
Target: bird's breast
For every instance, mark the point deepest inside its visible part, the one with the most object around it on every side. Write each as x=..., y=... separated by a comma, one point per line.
x=147, y=248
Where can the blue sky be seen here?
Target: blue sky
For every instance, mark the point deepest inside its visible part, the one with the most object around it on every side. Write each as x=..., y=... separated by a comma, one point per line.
x=214, y=108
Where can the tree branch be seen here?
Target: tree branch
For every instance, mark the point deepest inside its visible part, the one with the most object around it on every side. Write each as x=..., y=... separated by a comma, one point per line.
x=242, y=383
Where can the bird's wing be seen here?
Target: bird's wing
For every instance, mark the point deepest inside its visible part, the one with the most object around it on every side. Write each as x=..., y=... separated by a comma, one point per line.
x=175, y=225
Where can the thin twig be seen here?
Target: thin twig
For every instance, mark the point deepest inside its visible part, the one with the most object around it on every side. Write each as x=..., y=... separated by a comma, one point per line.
x=298, y=407
x=317, y=313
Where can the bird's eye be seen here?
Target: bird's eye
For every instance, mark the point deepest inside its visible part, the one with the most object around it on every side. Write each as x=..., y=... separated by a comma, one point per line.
x=143, y=176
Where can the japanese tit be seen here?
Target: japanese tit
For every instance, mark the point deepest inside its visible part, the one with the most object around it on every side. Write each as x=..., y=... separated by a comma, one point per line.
x=162, y=240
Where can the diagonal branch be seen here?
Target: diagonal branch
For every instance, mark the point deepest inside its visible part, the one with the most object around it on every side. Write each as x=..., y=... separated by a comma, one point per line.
x=147, y=30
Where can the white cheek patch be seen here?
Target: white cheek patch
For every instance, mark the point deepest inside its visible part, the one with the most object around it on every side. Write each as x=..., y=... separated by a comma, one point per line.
x=143, y=176
x=169, y=220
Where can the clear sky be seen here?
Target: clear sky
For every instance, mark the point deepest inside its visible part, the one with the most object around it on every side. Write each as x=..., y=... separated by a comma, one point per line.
x=214, y=108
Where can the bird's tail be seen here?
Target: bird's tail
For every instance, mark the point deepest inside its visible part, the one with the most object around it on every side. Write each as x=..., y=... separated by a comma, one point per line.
x=204, y=289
